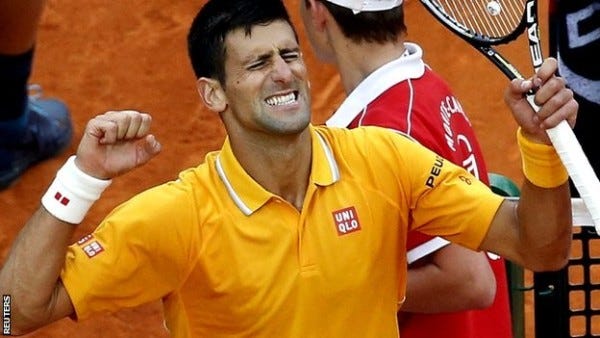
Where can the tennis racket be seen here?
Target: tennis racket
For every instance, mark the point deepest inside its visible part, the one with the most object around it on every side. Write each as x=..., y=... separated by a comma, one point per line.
x=488, y=23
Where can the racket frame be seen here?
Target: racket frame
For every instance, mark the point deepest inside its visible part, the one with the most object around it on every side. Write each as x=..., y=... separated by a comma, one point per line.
x=561, y=136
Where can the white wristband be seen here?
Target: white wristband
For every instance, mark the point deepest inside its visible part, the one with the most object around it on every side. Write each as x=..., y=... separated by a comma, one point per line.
x=72, y=193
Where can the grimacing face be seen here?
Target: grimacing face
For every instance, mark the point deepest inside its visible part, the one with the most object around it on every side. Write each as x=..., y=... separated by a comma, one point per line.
x=267, y=82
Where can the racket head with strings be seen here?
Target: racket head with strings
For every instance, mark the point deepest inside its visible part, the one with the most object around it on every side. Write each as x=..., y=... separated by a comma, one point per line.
x=481, y=28
x=478, y=23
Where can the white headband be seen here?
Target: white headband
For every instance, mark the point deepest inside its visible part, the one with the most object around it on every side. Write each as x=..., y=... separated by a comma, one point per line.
x=358, y=6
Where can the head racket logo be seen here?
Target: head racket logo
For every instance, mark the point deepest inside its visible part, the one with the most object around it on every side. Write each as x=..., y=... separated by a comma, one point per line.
x=533, y=34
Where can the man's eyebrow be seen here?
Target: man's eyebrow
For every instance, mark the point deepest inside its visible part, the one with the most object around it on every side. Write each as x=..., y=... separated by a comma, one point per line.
x=290, y=49
x=260, y=57
x=269, y=54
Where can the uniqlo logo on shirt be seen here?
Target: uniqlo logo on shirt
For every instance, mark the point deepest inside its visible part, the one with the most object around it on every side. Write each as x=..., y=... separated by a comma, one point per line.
x=346, y=221
x=92, y=249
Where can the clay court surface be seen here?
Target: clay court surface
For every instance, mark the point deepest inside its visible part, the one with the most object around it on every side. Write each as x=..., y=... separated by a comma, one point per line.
x=112, y=55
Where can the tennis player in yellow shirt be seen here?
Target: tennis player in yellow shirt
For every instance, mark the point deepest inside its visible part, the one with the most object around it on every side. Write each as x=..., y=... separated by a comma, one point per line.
x=289, y=230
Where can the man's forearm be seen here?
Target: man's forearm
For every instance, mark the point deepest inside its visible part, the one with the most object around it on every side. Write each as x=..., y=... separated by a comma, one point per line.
x=453, y=279
x=545, y=226
x=30, y=274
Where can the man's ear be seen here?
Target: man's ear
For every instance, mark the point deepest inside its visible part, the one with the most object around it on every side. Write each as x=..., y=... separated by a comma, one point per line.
x=318, y=14
x=212, y=94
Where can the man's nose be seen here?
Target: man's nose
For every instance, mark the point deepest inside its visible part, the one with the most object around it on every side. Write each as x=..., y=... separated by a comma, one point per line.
x=282, y=72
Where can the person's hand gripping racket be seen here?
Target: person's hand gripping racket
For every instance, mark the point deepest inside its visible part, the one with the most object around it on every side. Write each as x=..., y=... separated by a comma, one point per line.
x=551, y=95
x=488, y=24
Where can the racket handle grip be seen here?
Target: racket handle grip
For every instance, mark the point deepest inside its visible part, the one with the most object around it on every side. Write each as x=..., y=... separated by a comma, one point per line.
x=577, y=164
x=579, y=168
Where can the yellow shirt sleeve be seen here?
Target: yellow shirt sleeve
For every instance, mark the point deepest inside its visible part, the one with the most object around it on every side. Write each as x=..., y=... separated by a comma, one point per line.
x=142, y=251
x=448, y=201
x=427, y=192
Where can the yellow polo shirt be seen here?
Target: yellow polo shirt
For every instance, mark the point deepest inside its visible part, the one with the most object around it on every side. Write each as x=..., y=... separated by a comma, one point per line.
x=230, y=259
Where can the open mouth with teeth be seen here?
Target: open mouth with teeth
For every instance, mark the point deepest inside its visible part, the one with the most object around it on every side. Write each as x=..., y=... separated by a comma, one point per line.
x=281, y=100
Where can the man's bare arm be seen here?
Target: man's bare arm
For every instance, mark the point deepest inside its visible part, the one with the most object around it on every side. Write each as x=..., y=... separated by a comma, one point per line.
x=30, y=274
x=536, y=231
x=113, y=144
x=459, y=275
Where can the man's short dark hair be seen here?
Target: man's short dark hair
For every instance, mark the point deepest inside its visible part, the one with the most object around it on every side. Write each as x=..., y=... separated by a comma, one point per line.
x=216, y=19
